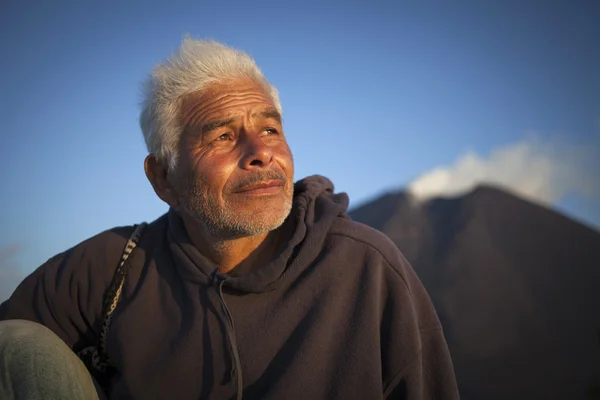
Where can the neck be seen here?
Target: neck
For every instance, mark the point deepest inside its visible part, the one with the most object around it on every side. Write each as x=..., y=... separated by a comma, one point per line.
x=228, y=254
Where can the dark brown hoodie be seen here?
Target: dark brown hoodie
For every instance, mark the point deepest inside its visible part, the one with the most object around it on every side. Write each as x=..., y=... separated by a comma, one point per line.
x=339, y=314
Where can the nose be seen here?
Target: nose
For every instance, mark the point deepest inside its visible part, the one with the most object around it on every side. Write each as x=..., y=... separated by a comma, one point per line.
x=257, y=154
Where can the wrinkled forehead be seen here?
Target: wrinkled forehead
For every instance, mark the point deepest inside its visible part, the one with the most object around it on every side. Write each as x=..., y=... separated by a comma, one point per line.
x=227, y=98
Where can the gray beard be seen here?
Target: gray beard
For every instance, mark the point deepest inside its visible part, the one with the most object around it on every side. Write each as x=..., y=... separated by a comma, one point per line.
x=224, y=222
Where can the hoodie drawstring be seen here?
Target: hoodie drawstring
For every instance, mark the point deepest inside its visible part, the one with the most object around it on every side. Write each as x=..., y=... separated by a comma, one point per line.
x=236, y=368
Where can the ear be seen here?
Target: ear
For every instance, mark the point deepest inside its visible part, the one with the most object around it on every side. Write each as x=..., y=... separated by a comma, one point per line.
x=157, y=174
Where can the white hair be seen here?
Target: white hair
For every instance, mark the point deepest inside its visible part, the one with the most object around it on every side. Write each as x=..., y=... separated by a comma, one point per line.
x=195, y=65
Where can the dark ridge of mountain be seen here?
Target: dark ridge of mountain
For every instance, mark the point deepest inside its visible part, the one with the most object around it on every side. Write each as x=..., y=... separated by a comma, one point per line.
x=516, y=285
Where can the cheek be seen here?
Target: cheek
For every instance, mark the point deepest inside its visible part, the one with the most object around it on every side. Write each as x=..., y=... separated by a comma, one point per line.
x=216, y=172
x=287, y=160
x=209, y=169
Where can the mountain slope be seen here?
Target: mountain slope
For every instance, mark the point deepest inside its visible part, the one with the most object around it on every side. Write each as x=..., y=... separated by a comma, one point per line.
x=517, y=287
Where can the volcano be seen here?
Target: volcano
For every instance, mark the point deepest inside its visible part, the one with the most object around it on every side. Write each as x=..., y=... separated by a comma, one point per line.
x=516, y=286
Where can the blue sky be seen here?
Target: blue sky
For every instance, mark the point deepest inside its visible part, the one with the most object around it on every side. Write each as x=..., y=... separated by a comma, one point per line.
x=375, y=94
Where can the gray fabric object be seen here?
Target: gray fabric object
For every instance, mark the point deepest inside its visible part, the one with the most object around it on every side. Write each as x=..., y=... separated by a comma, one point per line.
x=36, y=364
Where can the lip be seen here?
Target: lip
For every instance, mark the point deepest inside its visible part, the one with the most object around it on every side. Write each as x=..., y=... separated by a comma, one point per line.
x=268, y=187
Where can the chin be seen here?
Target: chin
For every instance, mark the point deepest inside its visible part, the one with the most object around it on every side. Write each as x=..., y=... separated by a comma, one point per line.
x=267, y=216
x=270, y=216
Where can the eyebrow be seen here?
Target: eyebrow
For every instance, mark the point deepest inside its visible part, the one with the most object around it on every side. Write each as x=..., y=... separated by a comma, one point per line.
x=271, y=113
x=211, y=126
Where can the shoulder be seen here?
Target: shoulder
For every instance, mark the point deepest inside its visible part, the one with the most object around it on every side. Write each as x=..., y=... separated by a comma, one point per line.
x=109, y=239
x=399, y=279
x=106, y=245
x=365, y=235
x=101, y=253
x=375, y=243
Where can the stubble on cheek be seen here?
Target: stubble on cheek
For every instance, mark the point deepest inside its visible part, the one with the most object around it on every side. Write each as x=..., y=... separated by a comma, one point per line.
x=206, y=206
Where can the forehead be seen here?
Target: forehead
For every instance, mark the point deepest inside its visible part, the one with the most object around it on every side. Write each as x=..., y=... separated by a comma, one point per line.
x=222, y=99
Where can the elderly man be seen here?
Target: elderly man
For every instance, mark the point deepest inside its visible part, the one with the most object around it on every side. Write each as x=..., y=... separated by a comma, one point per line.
x=249, y=287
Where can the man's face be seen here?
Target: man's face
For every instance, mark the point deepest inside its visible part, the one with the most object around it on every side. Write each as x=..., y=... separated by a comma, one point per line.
x=235, y=169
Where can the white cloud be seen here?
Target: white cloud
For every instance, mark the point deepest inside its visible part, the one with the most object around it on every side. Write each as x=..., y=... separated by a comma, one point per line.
x=540, y=170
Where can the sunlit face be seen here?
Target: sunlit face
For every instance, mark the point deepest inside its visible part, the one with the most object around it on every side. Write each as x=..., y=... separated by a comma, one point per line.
x=235, y=169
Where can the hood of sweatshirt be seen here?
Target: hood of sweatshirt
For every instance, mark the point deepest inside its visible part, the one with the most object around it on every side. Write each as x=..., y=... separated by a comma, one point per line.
x=315, y=207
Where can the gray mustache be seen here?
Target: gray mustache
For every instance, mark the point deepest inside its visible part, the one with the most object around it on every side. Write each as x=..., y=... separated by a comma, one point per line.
x=258, y=177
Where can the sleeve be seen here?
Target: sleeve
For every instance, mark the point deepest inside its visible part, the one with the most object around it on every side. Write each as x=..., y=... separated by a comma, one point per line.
x=426, y=370
x=63, y=296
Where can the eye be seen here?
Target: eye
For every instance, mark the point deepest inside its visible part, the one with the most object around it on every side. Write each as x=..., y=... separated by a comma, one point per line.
x=271, y=131
x=225, y=136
